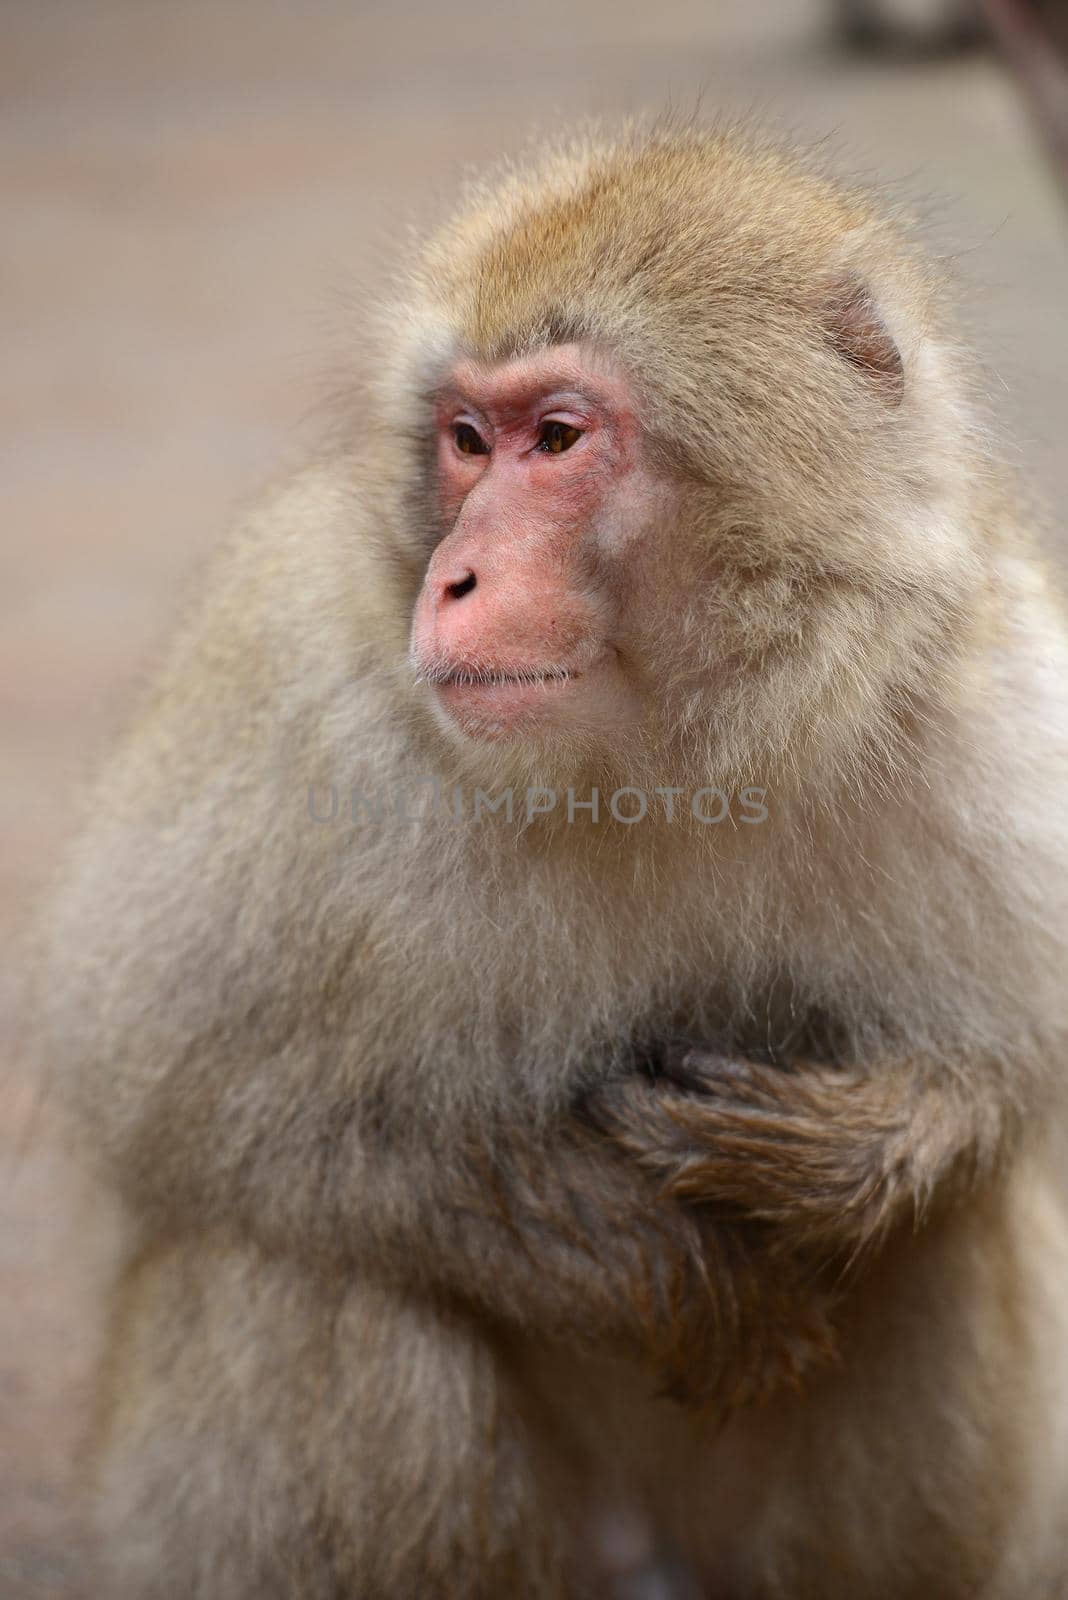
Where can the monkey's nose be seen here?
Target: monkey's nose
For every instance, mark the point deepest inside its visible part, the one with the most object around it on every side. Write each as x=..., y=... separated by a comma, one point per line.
x=456, y=588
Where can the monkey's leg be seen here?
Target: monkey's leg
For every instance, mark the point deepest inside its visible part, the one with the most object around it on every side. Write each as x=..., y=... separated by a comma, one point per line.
x=268, y=1434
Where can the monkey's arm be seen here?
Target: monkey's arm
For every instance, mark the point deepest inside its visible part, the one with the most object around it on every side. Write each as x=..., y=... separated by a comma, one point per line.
x=828, y=1159
x=561, y=1236
x=550, y=1233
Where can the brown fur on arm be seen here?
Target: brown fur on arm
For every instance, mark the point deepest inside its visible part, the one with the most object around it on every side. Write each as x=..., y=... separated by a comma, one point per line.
x=570, y=1235
x=829, y=1159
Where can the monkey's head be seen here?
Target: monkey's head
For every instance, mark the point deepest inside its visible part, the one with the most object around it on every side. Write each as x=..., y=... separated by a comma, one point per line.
x=691, y=464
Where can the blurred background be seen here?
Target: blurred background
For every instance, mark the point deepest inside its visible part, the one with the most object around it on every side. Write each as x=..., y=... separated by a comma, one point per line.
x=195, y=199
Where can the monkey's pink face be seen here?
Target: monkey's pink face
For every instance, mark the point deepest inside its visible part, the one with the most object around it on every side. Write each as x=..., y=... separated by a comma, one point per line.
x=542, y=494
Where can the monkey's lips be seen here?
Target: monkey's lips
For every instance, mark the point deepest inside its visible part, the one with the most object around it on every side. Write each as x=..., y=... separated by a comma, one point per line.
x=491, y=699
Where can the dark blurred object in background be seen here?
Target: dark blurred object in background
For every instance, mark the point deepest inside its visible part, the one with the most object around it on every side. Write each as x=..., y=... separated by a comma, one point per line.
x=1052, y=17
x=1033, y=36
x=909, y=27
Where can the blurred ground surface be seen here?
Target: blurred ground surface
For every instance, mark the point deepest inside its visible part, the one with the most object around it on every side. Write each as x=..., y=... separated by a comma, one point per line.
x=190, y=197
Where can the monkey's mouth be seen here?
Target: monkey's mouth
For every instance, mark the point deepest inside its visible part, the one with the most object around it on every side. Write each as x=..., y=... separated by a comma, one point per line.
x=490, y=701
x=463, y=677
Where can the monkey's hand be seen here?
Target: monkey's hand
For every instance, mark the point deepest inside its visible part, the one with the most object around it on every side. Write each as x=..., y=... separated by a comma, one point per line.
x=827, y=1160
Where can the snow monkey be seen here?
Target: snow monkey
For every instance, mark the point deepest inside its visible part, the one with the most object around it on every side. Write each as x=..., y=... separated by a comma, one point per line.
x=566, y=973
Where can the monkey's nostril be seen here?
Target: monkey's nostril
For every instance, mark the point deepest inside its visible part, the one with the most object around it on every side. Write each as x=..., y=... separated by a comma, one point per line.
x=464, y=585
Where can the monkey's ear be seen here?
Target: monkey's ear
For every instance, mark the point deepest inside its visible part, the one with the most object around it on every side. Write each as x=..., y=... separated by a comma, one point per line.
x=854, y=327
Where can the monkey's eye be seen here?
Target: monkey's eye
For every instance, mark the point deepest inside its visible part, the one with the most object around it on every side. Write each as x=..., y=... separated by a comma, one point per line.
x=469, y=441
x=557, y=436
